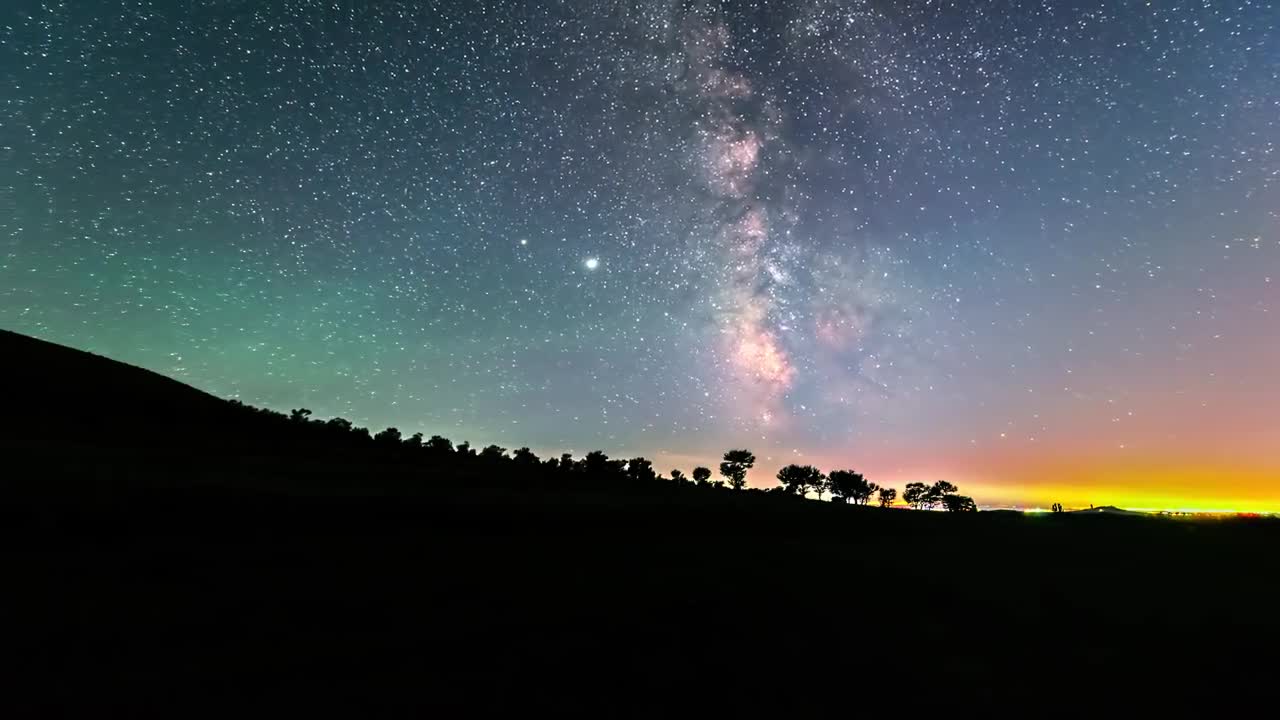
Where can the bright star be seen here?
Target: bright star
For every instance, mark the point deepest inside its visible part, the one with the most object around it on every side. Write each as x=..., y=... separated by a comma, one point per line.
x=592, y=263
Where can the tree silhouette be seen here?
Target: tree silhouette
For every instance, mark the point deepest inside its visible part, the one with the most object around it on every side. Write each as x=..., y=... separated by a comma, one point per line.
x=919, y=495
x=939, y=492
x=567, y=463
x=389, y=438
x=797, y=479
x=852, y=486
x=887, y=496
x=524, y=457
x=819, y=484
x=493, y=453
x=701, y=475
x=439, y=445
x=843, y=483
x=735, y=466
x=793, y=478
x=299, y=415
x=596, y=463
x=641, y=469
x=959, y=503
x=916, y=495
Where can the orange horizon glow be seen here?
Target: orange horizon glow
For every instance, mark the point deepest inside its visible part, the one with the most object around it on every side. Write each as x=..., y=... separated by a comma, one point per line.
x=1027, y=480
x=1129, y=484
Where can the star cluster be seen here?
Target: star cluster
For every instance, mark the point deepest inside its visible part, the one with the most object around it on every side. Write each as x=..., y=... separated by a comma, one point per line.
x=1030, y=246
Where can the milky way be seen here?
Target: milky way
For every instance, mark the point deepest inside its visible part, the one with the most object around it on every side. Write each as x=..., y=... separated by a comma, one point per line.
x=1027, y=246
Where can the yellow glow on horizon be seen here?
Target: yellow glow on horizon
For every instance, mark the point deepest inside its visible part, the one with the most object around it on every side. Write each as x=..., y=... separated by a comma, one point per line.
x=1035, y=480
x=1137, y=499
x=1032, y=480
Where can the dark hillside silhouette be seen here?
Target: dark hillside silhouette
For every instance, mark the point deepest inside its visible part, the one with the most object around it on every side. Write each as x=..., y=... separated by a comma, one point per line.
x=56, y=396
x=173, y=552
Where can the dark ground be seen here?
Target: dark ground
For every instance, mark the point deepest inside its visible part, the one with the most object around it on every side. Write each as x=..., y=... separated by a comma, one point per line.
x=168, y=554
x=483, y=601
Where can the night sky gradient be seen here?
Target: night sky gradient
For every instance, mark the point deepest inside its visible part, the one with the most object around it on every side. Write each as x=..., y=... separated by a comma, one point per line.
x=1032, y=248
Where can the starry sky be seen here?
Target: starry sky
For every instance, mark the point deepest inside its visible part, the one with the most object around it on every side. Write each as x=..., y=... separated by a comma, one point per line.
x=1031, y=247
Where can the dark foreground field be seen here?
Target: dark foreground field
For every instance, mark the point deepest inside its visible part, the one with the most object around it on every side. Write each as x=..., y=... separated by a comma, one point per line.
x=168, y=553
x=482, y=601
